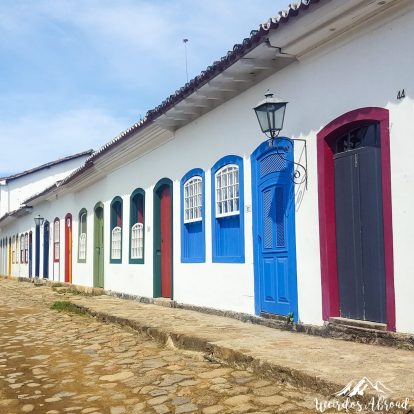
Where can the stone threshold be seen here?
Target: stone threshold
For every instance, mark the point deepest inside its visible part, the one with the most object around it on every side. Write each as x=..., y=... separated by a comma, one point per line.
x=358, y=323
x=335, y=328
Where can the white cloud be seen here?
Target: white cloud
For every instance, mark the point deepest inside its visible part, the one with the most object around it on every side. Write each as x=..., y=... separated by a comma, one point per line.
x=34, y=140
x=138, y=36
x=61, y=59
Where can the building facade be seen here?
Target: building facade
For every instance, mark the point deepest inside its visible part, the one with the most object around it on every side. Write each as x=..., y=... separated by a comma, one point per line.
x=193, y=203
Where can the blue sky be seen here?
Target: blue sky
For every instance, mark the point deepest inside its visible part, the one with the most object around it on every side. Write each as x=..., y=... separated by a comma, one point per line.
x=75, y=73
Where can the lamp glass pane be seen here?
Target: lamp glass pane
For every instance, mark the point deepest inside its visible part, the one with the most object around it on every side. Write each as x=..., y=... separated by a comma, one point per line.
x=262, y=118
x=278, y=117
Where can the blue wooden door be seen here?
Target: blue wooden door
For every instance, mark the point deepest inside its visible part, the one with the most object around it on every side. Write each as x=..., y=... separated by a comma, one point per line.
x=274, y=230
x=30, y=254
x=46, y=250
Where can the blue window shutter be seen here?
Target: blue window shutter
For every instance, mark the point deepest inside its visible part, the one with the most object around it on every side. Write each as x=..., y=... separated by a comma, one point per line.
x=193, y=244
x=228, y=232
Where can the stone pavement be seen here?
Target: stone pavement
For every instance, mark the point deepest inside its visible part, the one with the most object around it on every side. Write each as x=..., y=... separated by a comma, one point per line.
x=322, y=364
x=57, y=363
x=287, y=360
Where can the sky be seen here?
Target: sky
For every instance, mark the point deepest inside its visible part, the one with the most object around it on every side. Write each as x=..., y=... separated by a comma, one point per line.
x=75, y=73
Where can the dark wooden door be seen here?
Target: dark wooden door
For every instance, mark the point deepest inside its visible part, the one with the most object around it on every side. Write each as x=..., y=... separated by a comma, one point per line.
x=359, y=233
x=30, y=254
x=68, y=248
x=46, y=250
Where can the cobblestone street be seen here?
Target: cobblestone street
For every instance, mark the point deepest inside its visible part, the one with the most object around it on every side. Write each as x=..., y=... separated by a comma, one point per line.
x=54, y=362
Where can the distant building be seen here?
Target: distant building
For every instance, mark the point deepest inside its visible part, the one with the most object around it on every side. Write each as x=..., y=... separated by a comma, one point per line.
x=194, y=203
x=14, y=189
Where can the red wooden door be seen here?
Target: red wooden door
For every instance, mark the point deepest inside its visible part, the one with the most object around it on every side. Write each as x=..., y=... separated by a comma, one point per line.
x=166, y=242
x=68, y=248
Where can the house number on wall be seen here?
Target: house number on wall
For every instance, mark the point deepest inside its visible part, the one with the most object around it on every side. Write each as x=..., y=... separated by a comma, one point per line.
x=401, y=94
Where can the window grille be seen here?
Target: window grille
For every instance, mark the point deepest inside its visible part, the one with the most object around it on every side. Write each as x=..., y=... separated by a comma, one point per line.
x=26, y=248
x=82, y=236
x=22, y=248
x=56, y=244
x=137, y=241
x=116, y=243
x=227, y=191
x=82, y=246
x=193, y=197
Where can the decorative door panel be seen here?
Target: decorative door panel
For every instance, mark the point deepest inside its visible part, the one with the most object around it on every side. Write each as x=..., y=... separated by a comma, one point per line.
x=274, y=231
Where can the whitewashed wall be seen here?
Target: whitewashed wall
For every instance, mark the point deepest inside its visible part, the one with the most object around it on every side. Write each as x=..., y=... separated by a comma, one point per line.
x=365, y=71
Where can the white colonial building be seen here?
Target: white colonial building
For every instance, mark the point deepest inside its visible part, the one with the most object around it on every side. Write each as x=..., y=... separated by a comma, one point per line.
x=195, y=203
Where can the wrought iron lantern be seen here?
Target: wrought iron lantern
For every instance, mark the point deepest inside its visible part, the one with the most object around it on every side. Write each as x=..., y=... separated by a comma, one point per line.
x=271, y=114
x=39, y=220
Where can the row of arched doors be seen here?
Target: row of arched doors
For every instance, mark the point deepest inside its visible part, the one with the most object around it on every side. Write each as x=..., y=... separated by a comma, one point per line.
x=37, y=255
x=162, y=244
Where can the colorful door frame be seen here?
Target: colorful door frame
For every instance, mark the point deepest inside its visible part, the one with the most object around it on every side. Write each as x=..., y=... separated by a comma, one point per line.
x=68, y=248
x=46, y=230
x=163, y=239
x=30, y=254
x=274, y=239
x=37, y=250
x=326, y=196
x=98, y=244
x=9, y=269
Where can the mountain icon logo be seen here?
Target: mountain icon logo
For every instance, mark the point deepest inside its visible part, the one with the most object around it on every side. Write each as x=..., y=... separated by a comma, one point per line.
x=359, y=388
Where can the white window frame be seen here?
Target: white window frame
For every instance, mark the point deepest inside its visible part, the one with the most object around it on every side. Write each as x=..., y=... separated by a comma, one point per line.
x=22, y=241
x=137, y=241
x=26, y=248
x=14, y=249
x=227, y=173
x=82, y=246
x=193, y=199
x=116, y=246
x=82, y=237
x=56, y=241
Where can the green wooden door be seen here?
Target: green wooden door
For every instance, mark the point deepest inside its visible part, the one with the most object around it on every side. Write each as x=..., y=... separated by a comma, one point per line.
x=98, y=258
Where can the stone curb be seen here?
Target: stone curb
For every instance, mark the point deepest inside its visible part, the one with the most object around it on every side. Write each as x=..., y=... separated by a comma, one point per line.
x=228, y=356
x=343, y=332
x=218, y=353
x=70, y=288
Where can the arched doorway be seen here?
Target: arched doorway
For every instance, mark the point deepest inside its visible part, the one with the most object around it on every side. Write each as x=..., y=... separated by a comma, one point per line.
x=274, y=237
x=68, y=248
x=30, y=254
x=46, y=250
x=98, y=256
x=37, y=251
x=10, y=258
x=355, y=218
x=163, y=239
